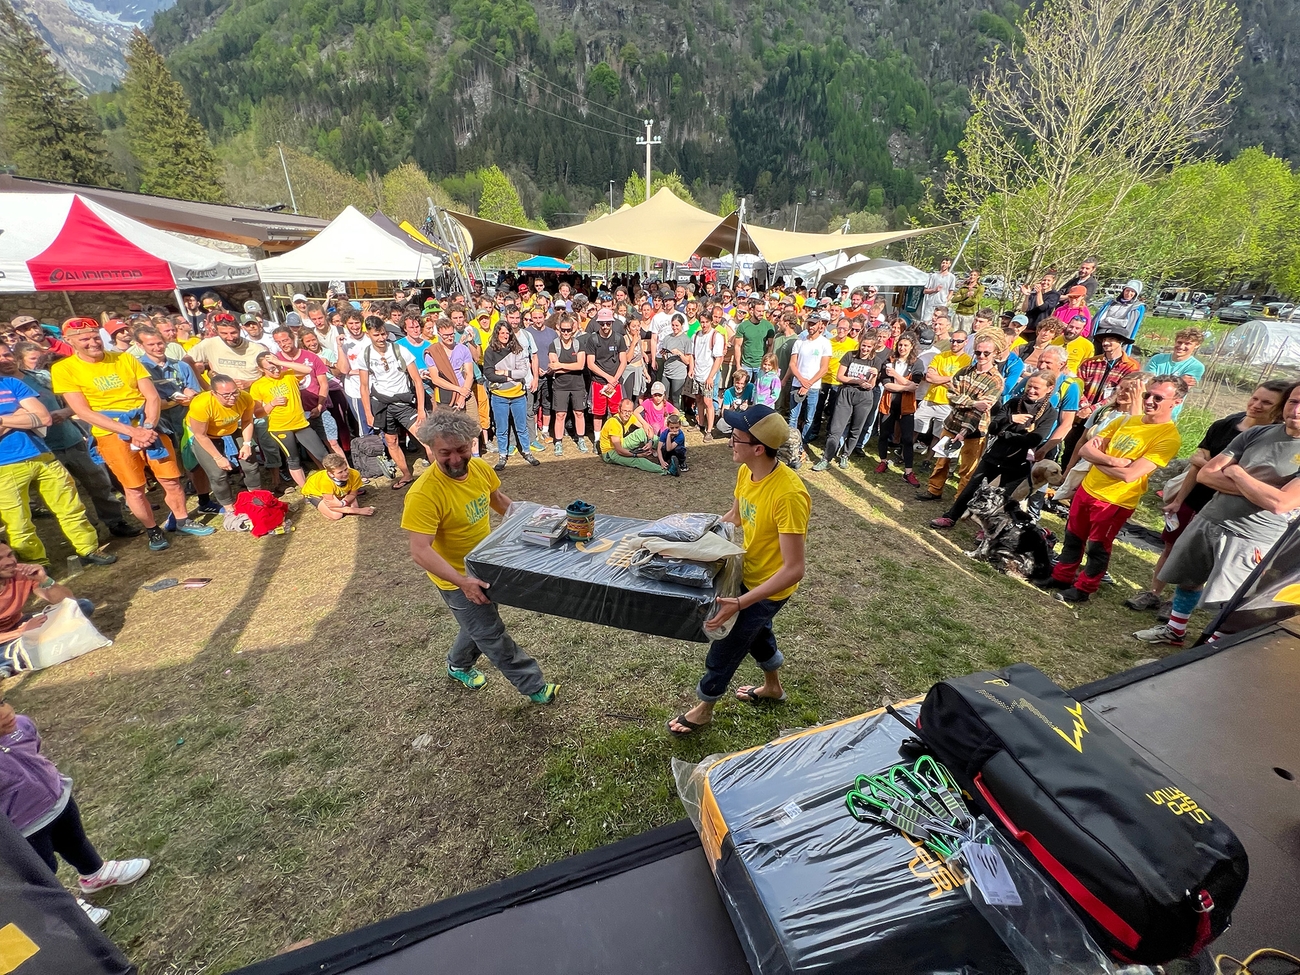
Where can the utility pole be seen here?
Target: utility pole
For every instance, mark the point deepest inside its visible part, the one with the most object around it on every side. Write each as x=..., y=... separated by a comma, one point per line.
x=611, y=196
x=292, y=202
x=795, y=228
x=649, y=143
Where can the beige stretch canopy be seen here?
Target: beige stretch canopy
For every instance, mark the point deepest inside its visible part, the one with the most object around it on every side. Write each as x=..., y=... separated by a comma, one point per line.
x=668, y=228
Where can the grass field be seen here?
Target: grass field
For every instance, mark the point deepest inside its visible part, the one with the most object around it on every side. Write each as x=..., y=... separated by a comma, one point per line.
x=255, y=736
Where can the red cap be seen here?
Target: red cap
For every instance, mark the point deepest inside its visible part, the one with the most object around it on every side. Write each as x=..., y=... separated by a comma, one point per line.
x=115, y=325
x=523, y=289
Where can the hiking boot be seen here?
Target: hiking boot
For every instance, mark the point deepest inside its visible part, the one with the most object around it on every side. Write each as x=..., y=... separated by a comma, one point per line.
x=927, y=496
x=582, y=445
x=882, y=467
x=910, y=478
x=1160, y=634
x=97, y=558
x=500, y=465
x=1143, y=601
x=821, y=465
x=123, y=530
x=157, y=540
x=114, y=873
x=942, y=522
x=1054, y=584
x=546, y=695
x=195, y=529
x=471, y=678
x=1071, y=595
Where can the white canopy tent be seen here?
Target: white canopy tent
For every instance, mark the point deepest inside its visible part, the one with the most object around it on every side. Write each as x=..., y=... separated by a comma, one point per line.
x=878, y=272
x=351, y=248
x=1264, y=342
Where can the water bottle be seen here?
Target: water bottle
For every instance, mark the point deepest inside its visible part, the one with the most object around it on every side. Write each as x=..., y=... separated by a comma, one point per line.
x=74, y=566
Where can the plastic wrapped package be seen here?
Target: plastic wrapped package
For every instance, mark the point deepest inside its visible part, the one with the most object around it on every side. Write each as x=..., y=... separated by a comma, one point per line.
x=596, y=581
x=682, y=527
x=809, y=888
x=1042, y=931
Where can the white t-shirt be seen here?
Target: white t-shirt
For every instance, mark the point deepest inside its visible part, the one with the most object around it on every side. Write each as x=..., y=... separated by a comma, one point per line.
x=662, y=323
x=708, y=349
x=925, y=358
x=808, y=353
x=946, y=283
x=388, y=375
x=352, y=349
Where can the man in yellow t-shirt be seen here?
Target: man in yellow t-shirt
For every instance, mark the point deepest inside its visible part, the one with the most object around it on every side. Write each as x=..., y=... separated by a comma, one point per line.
x=934, y=408
x=623, y=440
x=771, y=507
x=114, y=394
x=222, y=412
x=1077, y=348
x=1123, y=456
x=446, y=514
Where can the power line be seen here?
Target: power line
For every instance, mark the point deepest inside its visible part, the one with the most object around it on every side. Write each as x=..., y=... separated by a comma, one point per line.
x=539, y=80
x=625, y=133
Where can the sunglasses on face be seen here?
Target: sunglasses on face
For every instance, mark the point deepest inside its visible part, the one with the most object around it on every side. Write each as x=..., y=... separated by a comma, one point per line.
x=1154, y=397
x=982, y=355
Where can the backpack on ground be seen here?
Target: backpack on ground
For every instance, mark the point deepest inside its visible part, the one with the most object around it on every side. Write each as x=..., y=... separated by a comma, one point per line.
x=370, y=457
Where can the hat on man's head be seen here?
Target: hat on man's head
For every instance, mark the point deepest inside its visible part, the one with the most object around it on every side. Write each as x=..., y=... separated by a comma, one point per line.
x=810, y=303
x=252, y=308
x=523, y=289
x=925, y=336
x=19, y=321
x=245, y=319
x=484, y=313
x=1021, y=320
x=823, y=316
x=298, y=296
x=763, y=423
x=115, y=325
x=605, y=315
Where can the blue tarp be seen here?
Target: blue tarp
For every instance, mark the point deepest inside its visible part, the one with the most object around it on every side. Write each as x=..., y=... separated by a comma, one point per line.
x=544, y=264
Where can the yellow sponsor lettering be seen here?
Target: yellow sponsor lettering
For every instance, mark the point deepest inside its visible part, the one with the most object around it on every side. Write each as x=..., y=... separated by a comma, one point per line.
x=1180, y=803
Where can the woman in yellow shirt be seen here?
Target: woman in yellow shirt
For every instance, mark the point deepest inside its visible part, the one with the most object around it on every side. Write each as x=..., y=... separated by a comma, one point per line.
x=276, y=397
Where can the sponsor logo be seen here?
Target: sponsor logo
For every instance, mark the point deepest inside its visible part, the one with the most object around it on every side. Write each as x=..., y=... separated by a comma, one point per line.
x=95, y=274
x=1179, y=802
x=1078, y=728
x=203, y=275
x=945, y=875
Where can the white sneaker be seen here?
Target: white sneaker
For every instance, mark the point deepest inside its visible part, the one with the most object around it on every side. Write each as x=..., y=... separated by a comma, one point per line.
x=97, y=915
x=114, y=873
x=1160, y=634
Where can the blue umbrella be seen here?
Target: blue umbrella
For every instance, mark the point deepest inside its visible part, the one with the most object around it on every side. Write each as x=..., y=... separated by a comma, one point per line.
x=544, y=264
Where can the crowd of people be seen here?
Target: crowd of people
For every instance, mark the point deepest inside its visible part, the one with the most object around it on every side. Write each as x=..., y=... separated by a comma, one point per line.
x=211, y=404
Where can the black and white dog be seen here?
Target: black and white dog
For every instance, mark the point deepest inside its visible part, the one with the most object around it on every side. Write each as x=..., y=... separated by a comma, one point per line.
x=1011, y=542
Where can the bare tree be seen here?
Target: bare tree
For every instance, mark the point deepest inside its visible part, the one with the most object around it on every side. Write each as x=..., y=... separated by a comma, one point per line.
x=1097, y=98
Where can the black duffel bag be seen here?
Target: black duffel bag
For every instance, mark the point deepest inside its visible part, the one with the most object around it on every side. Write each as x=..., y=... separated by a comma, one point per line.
x=1152, y=873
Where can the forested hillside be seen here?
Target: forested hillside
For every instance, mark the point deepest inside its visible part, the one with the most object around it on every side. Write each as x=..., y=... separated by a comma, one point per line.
x=774, y=98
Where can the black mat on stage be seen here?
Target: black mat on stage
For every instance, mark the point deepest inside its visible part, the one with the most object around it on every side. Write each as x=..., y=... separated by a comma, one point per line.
x=1223, y=717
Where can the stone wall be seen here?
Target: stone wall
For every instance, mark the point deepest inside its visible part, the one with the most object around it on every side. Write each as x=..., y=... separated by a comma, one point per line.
x=54, y=307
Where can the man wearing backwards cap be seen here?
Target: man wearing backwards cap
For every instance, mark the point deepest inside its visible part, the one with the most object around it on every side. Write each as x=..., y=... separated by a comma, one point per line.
x=772, y=505
x=114, y=394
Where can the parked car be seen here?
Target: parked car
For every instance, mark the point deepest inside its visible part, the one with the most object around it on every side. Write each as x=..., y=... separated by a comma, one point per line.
x=1279, y=309
x=994, y=285
x=1240, y=311
x=1175, y=309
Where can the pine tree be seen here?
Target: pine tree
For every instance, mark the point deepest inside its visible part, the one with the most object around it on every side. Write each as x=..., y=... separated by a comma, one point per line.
x=173, y=151
x=50, y=130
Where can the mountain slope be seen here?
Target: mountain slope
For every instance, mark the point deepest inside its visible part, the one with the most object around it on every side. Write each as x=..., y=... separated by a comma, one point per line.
x=90, y=37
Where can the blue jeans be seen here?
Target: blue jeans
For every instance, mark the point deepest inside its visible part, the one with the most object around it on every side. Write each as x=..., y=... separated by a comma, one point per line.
x=751, y=636
x=808, y=405
x=505, y=409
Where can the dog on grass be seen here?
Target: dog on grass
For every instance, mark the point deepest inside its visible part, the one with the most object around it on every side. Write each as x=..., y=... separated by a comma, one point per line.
x=1011, y=542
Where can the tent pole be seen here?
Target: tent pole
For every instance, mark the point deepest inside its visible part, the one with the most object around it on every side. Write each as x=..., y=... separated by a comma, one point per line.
x=72, y=312
x=973, y=227
x=735, y=254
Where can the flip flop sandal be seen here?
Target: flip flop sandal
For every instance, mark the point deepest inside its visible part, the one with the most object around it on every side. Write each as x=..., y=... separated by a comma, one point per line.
x=691, y=726
x=750, y=696
x=398, y=485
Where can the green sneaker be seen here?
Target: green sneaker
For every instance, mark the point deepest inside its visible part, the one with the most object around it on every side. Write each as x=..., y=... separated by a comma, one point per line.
x=473, y=679
x=821, y=465
x=546, y=695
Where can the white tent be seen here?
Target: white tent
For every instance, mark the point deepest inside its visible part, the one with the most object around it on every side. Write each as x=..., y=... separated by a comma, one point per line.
x=351, y=248
x=68, y=242
x=744, y=269
x=877, y=271
x=816, y=269
x=1262, y=342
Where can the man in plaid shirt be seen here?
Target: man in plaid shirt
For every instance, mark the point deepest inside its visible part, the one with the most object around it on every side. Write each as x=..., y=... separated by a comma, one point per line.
x=973, y=391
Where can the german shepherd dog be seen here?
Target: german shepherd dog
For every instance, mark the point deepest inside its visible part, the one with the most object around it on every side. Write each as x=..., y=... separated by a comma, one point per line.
x=1012, y=543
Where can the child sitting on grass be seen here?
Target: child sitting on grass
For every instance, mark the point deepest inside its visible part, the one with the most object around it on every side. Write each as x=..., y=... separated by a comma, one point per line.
x=333, y=491
x=38, y=801
x=672, y=446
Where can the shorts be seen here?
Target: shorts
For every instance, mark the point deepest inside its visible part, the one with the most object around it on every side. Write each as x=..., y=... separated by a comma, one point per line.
x=1209, y=554
x=929, y=416
x=696, y=388
x=568, y=400
x=392, y=417
x=602, y=405
x=128, y=465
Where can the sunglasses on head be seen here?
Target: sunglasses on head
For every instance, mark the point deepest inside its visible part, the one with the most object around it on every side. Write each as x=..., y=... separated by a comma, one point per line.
x=223, y=318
